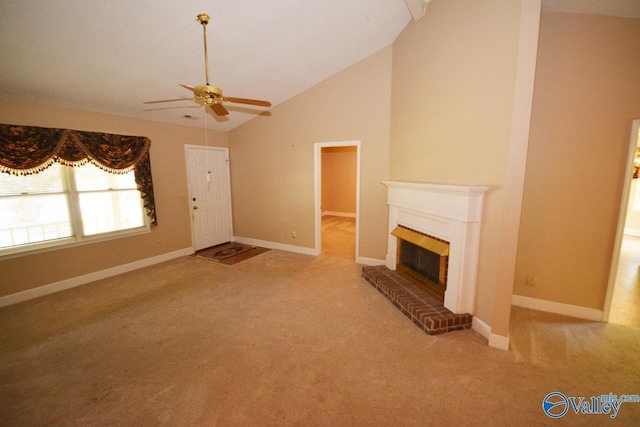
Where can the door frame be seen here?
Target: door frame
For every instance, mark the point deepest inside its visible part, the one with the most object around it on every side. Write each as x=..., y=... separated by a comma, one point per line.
x=188, y=147
x=622, y=217
x=317, y=167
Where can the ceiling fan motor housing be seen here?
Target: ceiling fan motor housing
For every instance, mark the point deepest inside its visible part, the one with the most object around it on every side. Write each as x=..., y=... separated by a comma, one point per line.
x=203, y=18
x=208, y=90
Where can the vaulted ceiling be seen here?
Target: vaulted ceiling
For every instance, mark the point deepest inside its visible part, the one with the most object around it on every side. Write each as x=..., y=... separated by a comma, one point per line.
x=110, y=56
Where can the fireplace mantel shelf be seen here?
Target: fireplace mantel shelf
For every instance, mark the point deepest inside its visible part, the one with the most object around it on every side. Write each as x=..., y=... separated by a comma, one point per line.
x=431, y=186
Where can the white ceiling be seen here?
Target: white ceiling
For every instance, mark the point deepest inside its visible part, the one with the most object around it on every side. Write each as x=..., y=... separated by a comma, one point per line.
x=109, y=56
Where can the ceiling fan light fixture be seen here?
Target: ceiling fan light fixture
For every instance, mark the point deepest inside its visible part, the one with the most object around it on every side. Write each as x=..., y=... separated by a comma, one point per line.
x=209, y=95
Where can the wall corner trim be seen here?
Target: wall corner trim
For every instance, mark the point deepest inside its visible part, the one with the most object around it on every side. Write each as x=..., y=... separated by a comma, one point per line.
x=557, y=308
x=88, y=278
x=480, y=327
x=369, y=261
x=500, y=342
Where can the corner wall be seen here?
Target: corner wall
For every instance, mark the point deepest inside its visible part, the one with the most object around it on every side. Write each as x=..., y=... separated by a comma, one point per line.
x=453, y=90
x=587, y=92
x=272, y=157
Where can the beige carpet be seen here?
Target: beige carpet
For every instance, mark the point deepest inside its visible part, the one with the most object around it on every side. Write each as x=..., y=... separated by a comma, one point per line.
x=287, y=339
x=339, y=236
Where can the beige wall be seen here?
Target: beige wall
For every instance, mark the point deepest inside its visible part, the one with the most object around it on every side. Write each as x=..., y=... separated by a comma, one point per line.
x=339, y=179
x=454, y=77
x=169, y=179
x=272, y=157
x=587, y=92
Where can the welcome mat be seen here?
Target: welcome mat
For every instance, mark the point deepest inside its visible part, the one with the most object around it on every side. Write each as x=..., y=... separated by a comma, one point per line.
x=224, y=251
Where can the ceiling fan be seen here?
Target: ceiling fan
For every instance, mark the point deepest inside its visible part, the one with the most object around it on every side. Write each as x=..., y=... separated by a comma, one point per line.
x=207, y=94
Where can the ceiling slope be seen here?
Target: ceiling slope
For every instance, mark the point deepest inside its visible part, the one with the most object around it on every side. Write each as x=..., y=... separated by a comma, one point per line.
x=110, y=56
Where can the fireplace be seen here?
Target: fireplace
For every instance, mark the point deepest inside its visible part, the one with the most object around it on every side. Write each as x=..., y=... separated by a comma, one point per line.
x=447, y=213
x=423, y=259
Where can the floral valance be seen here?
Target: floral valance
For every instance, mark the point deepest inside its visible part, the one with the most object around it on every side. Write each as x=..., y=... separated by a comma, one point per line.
x=26, y=150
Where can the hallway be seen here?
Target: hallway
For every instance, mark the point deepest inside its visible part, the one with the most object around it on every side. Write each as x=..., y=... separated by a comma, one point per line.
x=625, y=307
x=339, y=236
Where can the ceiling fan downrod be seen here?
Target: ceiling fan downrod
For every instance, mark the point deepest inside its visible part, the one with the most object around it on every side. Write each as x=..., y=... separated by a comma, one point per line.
x=203, y=19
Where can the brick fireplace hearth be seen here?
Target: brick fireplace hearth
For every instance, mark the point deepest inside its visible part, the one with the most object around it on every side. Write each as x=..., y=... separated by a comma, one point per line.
x=426, y=311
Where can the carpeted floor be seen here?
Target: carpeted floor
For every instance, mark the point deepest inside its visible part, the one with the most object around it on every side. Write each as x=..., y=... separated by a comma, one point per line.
x=288, y=339
x=339, y=236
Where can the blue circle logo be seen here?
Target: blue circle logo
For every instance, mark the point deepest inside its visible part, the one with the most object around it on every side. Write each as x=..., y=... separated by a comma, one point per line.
x=555, y=404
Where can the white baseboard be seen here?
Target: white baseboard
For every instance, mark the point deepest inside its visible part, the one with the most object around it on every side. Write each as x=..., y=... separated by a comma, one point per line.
x=496, y=341
x=345, y=214
x=480, y=327
x=499, y=341
x=557, y=308
x=88, y=278
x=275, y=245
x=369, y=261
x=298, y=249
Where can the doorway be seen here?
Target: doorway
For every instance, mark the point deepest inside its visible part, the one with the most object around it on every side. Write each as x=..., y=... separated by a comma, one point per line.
x=209, y=195
x=337, y=188
x=622, y=303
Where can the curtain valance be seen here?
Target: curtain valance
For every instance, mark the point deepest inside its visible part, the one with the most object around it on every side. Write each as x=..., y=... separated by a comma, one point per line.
x=26, y=150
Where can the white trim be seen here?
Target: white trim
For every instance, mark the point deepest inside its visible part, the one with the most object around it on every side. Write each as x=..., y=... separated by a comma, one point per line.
x=480, y=327
x=622, y=218
x=369, y=261
x=275, y=245
x=499, y=341
x=496, y=341
x=317, y=189
x=557, y=308
x=342, y=214
x=91, y=277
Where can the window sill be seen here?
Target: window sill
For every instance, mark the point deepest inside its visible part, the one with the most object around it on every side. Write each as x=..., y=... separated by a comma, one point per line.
x=70, y=242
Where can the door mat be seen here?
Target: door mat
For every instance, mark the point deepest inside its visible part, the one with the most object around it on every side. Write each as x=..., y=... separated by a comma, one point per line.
x=224, y=251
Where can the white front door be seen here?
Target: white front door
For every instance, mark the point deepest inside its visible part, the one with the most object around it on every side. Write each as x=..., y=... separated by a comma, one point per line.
x=209, y=195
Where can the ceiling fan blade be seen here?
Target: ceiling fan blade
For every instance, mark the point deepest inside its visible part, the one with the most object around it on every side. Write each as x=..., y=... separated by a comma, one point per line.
x=248, y=101
x=169, y=100
x=219, y=109
x=194, y=90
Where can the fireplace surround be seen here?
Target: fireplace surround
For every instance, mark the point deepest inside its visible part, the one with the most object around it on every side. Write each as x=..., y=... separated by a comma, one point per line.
x=452, y=213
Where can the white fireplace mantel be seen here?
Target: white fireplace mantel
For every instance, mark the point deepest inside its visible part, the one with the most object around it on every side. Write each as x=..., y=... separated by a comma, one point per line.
x=449, y=212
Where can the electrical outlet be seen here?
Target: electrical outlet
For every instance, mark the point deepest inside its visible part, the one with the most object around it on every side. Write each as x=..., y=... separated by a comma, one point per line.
x=293, y=234
x=532, y=280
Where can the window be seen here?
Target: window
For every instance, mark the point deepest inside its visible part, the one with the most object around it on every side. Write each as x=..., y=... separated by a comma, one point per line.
x=67, y=205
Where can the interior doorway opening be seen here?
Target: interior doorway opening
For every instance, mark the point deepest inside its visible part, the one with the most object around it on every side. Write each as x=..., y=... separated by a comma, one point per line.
x=622, y=304
x=337, y=184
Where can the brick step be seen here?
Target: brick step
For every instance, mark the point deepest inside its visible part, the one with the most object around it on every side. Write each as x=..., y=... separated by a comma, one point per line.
x=426, y=312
